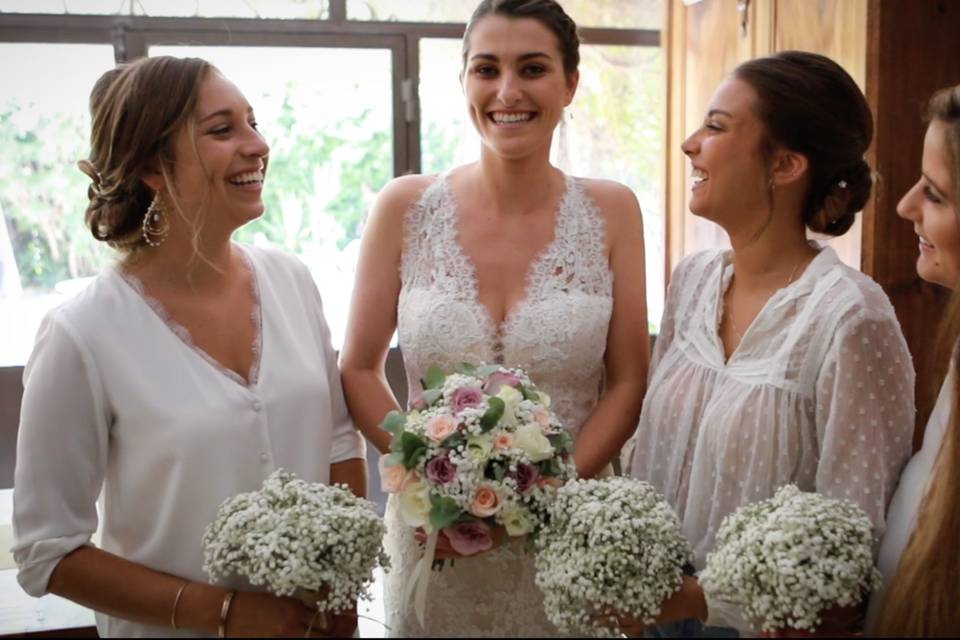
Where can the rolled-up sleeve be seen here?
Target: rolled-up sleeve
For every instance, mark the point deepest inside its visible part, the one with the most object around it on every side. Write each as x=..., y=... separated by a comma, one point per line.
x=61, y=455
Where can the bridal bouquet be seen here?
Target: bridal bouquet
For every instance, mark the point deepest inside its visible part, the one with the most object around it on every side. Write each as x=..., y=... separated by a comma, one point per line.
x=609, y=547
x=480, y=449
x=296, y=537
x=787, y=559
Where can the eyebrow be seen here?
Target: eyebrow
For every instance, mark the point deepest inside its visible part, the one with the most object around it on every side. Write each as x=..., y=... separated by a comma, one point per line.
x=940, y=191
x=522, y=58
x=719, y=112
x=223, y=112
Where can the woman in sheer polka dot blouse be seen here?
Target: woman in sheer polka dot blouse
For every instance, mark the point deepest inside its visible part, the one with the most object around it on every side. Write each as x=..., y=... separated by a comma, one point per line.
x=776, y=363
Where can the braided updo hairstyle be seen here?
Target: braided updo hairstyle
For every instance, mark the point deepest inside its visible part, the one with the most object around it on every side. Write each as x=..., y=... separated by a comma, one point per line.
x=549, y=13
x=137, y=109
x=809, y=104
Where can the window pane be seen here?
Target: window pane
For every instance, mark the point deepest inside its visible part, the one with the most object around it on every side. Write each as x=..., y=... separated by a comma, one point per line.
x=331, y=151
x=614, y=130
x=203, y=8
x=622, y=14
x=46, y=252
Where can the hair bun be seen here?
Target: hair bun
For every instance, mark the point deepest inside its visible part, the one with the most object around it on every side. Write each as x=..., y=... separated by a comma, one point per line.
x=846, y=195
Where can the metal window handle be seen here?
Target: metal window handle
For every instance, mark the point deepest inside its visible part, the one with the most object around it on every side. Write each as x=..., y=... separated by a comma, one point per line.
x=743, y=6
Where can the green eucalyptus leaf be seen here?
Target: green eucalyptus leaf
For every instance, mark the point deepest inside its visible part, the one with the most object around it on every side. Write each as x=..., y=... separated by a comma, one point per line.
x=466, y=368
x=393, y=423
x=444, y=511
x=494, y=412
x=433, y=378
x=430, y=396
x=413, y=448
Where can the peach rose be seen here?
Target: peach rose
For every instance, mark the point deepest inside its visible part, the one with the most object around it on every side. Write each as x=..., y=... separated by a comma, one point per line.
x=394, y=478
x=503, y=441
x=485, y=503
x=439, y=427
x=542, y=417
x=549, y=481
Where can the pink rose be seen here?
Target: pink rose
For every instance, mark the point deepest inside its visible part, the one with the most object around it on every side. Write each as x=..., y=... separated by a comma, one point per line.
x=440, y=470
x=526, y=476
x=499, y=379
x=417, y=403
x=439, y=427
x=395, y=478
x=486, y=502
x=469, y=538
x=466, y=397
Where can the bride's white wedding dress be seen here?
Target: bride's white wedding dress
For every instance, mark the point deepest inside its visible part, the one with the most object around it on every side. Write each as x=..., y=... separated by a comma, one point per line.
x=557, y=333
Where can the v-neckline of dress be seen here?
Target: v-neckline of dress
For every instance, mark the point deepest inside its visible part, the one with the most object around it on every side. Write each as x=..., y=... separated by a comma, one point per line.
x=497, y=332
x=183, y=334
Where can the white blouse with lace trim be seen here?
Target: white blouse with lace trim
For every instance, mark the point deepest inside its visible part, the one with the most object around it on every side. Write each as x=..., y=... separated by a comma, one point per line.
x=819, y=393
x=557, y=333
x=119, y=404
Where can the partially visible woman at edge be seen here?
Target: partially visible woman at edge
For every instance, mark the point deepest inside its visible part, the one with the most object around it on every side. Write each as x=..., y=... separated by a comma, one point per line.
x=184, y=374
x=792, y=365
x=505, y=260
x=920, y=553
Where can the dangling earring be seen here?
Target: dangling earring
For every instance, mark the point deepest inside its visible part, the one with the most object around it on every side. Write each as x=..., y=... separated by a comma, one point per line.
x=155, y=226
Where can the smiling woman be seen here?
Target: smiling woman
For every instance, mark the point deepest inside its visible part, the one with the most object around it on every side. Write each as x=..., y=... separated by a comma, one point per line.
x=183, y=375
x=503, y=260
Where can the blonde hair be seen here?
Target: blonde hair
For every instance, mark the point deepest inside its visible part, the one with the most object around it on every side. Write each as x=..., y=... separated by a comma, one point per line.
x=137, y=110
x=923, y=598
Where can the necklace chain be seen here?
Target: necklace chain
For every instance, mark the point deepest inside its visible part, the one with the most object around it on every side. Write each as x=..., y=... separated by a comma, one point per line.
x=729, y=308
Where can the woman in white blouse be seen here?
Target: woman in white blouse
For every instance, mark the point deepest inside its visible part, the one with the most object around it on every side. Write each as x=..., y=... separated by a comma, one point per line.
x=775, y=363
x=920, y=555
x=181, y=376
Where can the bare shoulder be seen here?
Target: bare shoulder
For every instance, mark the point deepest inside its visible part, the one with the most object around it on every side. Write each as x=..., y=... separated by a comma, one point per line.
x=394, y=200
x=616, y=204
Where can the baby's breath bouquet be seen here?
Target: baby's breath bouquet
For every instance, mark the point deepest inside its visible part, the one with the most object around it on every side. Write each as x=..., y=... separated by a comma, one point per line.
x=298, y=538
x=609, y=546
x=788, y=559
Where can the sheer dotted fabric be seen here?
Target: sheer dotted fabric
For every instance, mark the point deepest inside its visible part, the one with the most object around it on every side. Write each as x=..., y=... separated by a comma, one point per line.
x=557, y=333
x=818, y=393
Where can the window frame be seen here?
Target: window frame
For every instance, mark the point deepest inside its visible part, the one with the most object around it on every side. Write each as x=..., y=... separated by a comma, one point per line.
x=132, y=35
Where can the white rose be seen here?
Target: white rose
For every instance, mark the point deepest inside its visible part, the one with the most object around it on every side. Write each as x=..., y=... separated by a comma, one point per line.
x=517, y=521
x=415, y=504
x=479, y=447
x=511, y=399
x=530, y=439
x=543, y=398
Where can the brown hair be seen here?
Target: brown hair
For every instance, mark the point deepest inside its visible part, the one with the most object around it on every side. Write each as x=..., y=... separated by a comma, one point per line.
x=923, y=597
x=810, y=105
x=549, y=13
x=137, y=109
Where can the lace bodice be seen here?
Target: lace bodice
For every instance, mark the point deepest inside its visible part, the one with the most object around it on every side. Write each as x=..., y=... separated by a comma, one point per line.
x=557, y=333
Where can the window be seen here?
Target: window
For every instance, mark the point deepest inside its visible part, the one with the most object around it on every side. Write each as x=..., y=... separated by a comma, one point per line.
x=46, y=252
x=348, y=93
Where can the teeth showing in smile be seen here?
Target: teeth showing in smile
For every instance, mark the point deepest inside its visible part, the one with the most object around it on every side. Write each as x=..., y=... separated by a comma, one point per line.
x=698, y=176
x=924, y=243
x=247, y=178
x=510, y=118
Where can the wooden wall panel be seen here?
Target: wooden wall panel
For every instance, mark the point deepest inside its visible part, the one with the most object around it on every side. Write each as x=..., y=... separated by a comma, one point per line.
x=911, y=52
x=838, y=30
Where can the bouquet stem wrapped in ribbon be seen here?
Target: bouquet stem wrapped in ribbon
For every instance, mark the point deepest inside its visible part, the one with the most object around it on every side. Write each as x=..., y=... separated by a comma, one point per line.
x=788, y=559
x=480, y=449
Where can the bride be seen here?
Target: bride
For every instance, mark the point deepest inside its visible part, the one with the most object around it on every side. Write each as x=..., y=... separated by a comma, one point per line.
x=506, y=260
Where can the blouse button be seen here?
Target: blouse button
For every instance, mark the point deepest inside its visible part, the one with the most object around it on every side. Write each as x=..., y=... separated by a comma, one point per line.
x=264, y=458
x=257, y=405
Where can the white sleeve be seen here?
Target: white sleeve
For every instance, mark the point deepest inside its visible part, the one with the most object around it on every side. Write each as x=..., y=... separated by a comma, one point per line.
x=346, y=441
x=61, y=455
x=865, y=415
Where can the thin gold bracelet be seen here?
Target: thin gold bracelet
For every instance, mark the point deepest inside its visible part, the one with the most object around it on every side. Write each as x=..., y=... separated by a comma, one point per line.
x=224, y=612
x=176, y=601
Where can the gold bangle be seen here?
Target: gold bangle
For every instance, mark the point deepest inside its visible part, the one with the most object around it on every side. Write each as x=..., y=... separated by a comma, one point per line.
x=176, y=601
x=224, y=612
